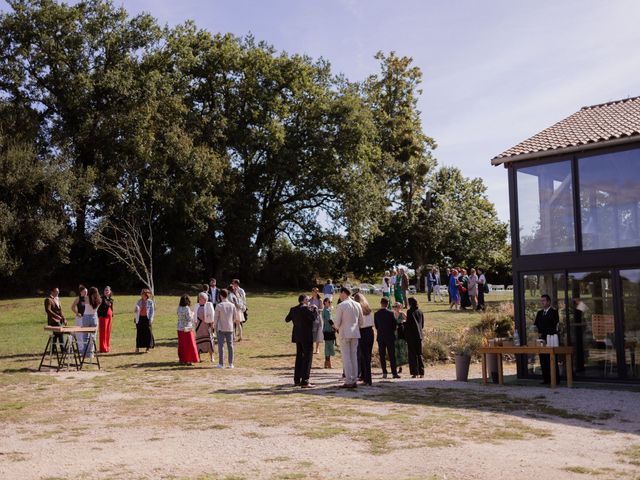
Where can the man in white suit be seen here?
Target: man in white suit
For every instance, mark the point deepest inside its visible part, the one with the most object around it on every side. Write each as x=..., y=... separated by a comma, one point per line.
x=348, y=321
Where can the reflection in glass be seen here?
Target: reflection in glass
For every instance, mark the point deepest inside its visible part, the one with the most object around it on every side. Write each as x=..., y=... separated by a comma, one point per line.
x=610, y=200
x=545, y=208
x=592, y=324
x=536, y=285
x=631, y=312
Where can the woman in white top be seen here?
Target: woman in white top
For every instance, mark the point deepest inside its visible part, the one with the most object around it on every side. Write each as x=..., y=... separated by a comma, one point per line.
x=204, y=325
x=90, y=319
x=365, y=344
x=187, y=350
x=386, y=284
x=473, y=289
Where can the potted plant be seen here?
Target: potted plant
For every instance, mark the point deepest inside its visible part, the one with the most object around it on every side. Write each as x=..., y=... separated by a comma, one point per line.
x=466, y=344
x=496, y=323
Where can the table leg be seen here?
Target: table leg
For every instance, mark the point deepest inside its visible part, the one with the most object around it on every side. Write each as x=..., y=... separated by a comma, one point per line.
x=484, y=368
x=44, y=354
x=500, y=371
x=568, y=363
x=552, y=361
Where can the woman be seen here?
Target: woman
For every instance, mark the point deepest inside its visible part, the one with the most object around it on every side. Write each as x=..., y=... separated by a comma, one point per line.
x=105, y=319
x=315, y=303
x=400, y=344
x=473, y=289
x=204, y=324
x=187, y=350
x=464, y=289
x=90, y=319
x=143, y=320
x=398, y=294
x=78, y=308
x=413, y=335
x=454, y=295
x=329, y=333
x=365, y=344
x=237, y=302
x=386, y=284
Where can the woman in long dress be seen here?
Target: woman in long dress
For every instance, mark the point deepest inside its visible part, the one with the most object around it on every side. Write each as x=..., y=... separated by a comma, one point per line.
x=473, y=289
x=105, y=320
x=464, y=290
x=453, y=291
x=236, y=299
x=143, y=320
x=315, y=302
x=204, y=325
x=329, y=333
x=402, y=357
x=187, y=350
x=398, y=294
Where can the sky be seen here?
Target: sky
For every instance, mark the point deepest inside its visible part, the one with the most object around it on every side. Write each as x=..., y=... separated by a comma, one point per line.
x=495, y=72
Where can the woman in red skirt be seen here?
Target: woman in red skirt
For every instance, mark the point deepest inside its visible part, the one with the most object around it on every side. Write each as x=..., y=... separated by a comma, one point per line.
x=187, y=350
x=105, y=318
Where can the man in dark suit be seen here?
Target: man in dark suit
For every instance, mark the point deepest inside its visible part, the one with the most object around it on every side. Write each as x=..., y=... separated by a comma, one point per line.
x=385, y=324
x=547, y=321
x=302, y=335
x=214, y=292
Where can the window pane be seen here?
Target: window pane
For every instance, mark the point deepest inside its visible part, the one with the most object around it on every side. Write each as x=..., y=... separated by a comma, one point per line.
x=545, y=209
x=631, y=303
x=610, y=200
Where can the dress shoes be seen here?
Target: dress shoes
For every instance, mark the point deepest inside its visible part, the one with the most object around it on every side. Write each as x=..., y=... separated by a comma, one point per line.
x=384, y=375
x=397, y=376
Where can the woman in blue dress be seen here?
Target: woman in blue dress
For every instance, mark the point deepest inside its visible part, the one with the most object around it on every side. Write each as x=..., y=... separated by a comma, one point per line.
x=453, y=291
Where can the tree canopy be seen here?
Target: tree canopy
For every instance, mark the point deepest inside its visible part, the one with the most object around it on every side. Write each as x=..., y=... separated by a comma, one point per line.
x=243, y=160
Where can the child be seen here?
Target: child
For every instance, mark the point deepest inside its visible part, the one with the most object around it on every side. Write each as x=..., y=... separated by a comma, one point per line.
x=329, y=333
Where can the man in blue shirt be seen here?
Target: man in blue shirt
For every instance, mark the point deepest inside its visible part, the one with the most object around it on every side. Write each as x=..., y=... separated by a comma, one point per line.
x=328, y=290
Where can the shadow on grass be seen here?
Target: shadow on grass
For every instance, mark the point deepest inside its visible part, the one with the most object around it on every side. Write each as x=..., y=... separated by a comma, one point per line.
x=434, y=393
x=20, y=355
x=157, y=366
x=280, y=355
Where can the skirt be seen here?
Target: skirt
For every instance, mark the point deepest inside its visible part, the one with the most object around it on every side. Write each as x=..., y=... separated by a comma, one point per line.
x=144, y=335
x=330, y=348
x=402, y=352
x=204, y=339
x=318, y=335
x=187, y=351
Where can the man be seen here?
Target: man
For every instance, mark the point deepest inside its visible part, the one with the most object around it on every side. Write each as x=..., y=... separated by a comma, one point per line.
x=55, y=318
x=214, y=292
x=302, y=335
x=404, y=286
x=448, y=281
x=223, y=321
x=482, y=280
x=431, y=281
x=547, y=321
x=349, y=319
x=328, y=290
x=385, y=324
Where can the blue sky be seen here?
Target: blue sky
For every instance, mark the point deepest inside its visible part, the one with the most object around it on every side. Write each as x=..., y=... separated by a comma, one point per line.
x=495, y=72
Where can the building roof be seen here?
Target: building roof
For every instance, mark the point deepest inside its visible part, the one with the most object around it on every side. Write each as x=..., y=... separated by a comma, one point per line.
x=590, y=127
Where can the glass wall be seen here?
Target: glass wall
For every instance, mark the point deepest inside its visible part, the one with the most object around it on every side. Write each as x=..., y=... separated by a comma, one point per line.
x=545, y=208
x=536, y=285
x=631, y=318
x=592, y=325
x=610, y=200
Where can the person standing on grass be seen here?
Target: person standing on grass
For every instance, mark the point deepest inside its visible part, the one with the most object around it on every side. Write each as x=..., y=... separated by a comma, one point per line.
x=482, y=282
x=237, y=296
x=315, y=303
x=473, y=289
x=144, y=319
x=105, y=319
x=404, y=284
x=400, y=342
x=349, y=320
x=78, y=308
x=414, y=335
x=329, y=333
x=431, y=282
x=386, y=284
x=454, y=295
x=214, y=292
x=187, y=350
x=204, y=325
x=385, y=324
x=327, y=290
x=223, y=323
x=90, y=319
x=302, y=318
x=365, y=344
x=55, y=317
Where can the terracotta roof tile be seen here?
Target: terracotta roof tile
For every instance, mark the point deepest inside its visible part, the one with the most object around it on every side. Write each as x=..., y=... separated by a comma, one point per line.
x=593, y=124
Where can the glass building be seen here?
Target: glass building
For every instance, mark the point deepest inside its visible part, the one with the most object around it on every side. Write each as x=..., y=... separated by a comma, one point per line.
x=574, y=192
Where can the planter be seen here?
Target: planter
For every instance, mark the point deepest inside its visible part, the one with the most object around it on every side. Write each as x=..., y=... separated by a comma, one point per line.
x=462, y=367
x=492, y=366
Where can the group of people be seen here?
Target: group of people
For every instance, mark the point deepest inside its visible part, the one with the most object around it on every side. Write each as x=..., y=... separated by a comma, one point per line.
x=399, y=335
x=218, y=317
x=463, y=290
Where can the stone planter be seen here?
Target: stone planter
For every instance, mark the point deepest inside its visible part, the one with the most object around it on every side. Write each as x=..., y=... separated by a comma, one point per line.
x=462, y=367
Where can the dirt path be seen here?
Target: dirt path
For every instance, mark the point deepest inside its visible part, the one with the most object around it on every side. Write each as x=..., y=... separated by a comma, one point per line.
x=237, y=424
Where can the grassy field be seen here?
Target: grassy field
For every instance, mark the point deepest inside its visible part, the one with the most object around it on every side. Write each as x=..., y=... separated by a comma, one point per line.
x=22, y=337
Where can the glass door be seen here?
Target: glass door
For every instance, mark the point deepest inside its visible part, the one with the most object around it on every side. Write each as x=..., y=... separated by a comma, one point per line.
x=591, y=324
x=631, y=320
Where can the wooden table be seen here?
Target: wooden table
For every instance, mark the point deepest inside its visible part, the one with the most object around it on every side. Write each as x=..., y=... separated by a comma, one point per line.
x=551, y=351
x=70, y=350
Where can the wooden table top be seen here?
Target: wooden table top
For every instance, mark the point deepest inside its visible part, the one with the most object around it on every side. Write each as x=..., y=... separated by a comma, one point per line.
x=70, y=329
